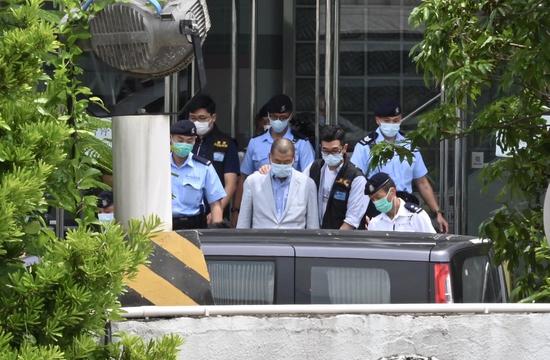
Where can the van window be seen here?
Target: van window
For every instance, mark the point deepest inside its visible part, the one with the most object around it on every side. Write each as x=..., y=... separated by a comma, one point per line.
x=242, y=282
x=359, y=281
x=476, y=280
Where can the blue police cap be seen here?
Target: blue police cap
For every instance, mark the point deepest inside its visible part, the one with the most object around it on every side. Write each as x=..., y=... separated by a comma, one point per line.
x=183, y=127
x=376, y=182
x=279, y=104
x=388, y=108
x=105, y=199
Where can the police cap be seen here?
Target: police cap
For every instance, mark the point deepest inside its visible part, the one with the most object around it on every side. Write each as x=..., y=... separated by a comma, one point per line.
x=388, y=108
x=183, y=127
x=105, y=199
x=377, y=182
x=279, y=104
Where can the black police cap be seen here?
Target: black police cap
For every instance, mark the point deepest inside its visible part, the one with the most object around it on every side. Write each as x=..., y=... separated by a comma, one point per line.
x=105, y=199
x=388, y=108
x=279, y=104
x=183, y=127
x=376, y=182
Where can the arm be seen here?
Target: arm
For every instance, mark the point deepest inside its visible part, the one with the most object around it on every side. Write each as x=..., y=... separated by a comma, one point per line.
x=425, y=189
x=360, y=156
x=216, y=212
x=307, y=155
x=357, y=204
x=237, y=200
x=231, y=180
x=312, y=220
x=245, y=215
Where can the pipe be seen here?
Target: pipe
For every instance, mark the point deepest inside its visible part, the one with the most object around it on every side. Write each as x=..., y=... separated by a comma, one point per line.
x=336, y=60
x=328, y=63
x=253, y=44
x=234, y=69
x=317, y=72
x=429, y=309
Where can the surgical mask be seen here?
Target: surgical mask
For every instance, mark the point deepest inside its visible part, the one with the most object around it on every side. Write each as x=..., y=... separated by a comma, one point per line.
x=281, y=170
x=106, y=217
x=333, y=159
x=389, y=130
x=278, y=125
x=383, y=205
x=182, y=149
x=202, y=127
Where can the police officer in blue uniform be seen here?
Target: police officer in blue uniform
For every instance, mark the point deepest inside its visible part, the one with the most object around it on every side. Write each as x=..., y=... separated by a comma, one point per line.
x=214, y=145
x=279, y=111
x=403, y=173
x=193, y=179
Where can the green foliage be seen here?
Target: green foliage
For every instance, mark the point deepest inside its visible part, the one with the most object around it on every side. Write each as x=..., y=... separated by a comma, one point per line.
x=57, y=308
x=473, y=47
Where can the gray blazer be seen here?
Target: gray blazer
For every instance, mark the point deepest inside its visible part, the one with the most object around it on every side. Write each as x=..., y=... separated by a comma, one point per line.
x=258, y=205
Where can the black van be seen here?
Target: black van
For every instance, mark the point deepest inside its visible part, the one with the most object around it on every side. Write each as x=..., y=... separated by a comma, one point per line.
x=349, y=267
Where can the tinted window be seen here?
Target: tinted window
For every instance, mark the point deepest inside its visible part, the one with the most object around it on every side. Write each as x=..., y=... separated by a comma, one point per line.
x=357, y=281
x=475, y=280
x=242, y=282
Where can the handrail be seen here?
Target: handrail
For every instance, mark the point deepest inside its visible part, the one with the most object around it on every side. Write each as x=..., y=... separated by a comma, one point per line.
x=426, y=309
x=422, y=107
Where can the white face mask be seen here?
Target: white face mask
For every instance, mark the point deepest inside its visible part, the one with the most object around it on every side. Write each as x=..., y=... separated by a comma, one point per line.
x=106, y=217
x=202, y=127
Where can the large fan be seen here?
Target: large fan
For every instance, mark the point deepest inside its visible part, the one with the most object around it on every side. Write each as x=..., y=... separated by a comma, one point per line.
x=140, y=38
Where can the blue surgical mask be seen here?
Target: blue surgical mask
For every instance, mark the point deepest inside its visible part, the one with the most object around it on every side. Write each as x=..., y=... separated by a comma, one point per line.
x=106, y=217
x=383, y=205
x=278, y=125
x=333, y=160
x=389, y=130
x=182, y=149
x=281, y=170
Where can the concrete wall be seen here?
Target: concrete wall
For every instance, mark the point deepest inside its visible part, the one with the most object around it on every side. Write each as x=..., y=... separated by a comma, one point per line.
x=349, y=337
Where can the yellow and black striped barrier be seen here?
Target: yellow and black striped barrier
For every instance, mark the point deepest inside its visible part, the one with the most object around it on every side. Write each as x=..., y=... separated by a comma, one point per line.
x=176, y=275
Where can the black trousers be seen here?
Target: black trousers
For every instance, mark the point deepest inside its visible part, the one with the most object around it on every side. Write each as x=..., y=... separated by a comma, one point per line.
x=189, y=222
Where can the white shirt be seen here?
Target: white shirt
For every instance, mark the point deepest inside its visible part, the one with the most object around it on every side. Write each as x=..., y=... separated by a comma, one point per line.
x=357, y=201
x=404, y=220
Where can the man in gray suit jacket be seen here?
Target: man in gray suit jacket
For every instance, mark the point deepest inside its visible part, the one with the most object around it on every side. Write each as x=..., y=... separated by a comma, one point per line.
x=281, y=199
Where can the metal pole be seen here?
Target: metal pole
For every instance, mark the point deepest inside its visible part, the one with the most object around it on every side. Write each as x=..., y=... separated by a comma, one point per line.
x=193, y=82
x=336, y=60
x=317, y=71
x=253, y=35
x=328, y=63
x=60, y=223
x=443, y=160
x=234, y=69
x=422, y=107
x=457, y=195
x=463, y=182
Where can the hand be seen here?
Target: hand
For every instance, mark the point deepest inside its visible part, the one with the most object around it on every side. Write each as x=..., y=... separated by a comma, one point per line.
x=443, y=225
x=264, y=169
x=209, y=218
x=234, y=217
x=367, y=220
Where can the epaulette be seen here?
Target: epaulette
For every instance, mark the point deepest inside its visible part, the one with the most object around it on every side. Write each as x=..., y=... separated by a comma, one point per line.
x=369, y=139
x=202, y=160
x=413, y=208
x=260, y=134
x=296, y=136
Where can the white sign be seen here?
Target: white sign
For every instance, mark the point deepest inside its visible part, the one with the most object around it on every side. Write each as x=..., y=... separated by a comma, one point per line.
x=478, y=159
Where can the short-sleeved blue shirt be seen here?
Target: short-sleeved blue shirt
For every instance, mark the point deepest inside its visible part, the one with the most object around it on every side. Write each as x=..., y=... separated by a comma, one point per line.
x=191, y=182
x=401, y=172
x=257, y=152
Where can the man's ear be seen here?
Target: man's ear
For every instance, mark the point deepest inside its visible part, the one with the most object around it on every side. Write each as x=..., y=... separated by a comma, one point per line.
x=213, y=118
x=345, y=148
x=377, y=119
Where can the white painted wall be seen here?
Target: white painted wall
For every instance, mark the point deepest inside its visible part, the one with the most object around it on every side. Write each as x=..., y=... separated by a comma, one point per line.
x=361, y=337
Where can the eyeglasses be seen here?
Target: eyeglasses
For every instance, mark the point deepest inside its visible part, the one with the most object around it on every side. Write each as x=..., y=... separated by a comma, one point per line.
x=200, y=118
x=331, y=152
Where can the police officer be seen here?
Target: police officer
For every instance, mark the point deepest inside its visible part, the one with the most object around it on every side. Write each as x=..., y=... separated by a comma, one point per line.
x=193, y=178
x=395, y=213
x=106, y=206
x=279, y=111
x=214, y=145
x=340, y=185
x=388, y=118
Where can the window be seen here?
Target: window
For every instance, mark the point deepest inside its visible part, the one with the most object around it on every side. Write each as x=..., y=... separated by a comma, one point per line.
x=359, y=281
x=476, y=280
x=242, y=282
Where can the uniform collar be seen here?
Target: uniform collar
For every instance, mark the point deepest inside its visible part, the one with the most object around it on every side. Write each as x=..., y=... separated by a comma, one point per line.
x=380, y=137
x=401, y=212
x=269, y=138
x=188, y=162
